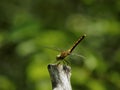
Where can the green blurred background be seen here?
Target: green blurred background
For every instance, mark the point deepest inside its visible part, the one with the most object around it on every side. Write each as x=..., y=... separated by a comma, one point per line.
x=27, y=27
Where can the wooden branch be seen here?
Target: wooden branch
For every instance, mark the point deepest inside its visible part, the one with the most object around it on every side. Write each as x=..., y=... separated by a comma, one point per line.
x=60, y=76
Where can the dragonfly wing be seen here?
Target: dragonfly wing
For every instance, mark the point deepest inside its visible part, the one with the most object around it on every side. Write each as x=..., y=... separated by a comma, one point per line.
x=75, y=54
x=53, y=48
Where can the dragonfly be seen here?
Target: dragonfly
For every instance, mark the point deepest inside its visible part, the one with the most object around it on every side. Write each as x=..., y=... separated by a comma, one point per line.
x=64, y=54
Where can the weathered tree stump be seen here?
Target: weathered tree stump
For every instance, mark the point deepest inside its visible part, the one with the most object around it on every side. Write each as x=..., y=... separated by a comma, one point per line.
x=60, y=76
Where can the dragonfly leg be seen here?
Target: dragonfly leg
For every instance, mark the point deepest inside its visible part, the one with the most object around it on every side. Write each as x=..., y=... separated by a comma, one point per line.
x=58, y=62
x=67, y=62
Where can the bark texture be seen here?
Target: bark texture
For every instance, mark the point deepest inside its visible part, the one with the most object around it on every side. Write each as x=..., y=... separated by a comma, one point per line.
x=60, y=76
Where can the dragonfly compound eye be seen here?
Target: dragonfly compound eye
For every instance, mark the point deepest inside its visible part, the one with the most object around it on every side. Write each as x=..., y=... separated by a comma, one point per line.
x=58, y=57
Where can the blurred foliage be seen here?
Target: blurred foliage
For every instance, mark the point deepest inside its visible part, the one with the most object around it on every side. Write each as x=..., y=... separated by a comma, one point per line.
x=28, y=27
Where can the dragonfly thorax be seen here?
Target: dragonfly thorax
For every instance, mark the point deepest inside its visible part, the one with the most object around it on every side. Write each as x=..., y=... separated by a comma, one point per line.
x=62, y=55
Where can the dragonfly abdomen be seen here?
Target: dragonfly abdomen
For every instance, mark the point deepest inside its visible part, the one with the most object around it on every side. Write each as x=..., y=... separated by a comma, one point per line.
x=76, y=43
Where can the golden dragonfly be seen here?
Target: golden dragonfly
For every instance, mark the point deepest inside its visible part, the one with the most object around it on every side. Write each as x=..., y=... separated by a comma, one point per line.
x=63, y=54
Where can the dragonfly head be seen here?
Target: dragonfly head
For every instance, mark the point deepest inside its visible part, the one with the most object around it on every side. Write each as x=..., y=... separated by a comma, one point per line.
x=59, y=57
